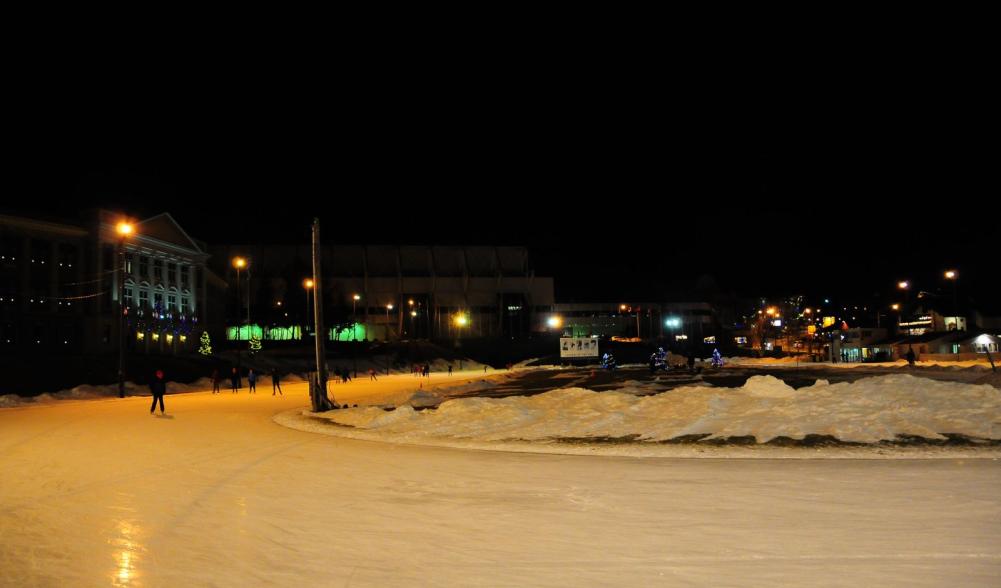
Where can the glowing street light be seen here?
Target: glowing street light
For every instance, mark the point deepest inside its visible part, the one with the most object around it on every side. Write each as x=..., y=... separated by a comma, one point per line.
x=554, y=322
x=954, y=276
x=895, y=306
x=240, y=263
x=354, y=315
x=124, y=230
x=904, y=285
x=307, y=285
x=461, y=320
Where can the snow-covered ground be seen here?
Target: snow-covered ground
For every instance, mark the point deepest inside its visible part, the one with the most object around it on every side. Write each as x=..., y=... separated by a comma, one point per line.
x=793, y=361
x=869, y=410
x=99, y=492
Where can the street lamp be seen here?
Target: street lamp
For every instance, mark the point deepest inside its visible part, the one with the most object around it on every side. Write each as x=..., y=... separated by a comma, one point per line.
x=906, y=287
x=354, y=316
x=124, y=229
x=461, y=320
x=307, y=285
x=954, y=276
x=239, y=263
x=389, y=307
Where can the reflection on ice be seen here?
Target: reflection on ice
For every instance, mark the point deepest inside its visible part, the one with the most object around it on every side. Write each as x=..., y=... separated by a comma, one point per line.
x=127, y=550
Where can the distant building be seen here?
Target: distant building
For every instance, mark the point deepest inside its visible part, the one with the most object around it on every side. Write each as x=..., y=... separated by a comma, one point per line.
x=59, y=285
x=678, y=322
x=930, y=321
x=403, y=292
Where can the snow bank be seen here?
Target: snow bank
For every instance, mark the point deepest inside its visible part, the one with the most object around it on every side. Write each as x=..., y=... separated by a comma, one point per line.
x=87, y=392
x=435, y=396
x=869, y=410
x=805, y=362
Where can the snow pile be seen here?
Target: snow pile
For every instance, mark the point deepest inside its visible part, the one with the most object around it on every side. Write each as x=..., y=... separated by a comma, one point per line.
x=865, y=411
x=806, y=362
x=435, y=396
x=88, y=391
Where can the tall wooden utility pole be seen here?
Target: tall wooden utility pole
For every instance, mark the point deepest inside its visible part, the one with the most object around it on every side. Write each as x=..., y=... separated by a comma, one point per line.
x=318, y=387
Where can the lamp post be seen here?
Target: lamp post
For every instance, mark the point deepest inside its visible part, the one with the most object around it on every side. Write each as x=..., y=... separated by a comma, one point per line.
x=354, y=316
x=124, y=229
x=953, y=275
x=461, y=320
x=307, y=285
x=239, y=263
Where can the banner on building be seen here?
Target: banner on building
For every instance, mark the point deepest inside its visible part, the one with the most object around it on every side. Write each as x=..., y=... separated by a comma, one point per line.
x=578, y=347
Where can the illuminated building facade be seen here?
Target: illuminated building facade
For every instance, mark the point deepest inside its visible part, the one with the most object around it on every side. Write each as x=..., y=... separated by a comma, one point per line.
x=60, y=285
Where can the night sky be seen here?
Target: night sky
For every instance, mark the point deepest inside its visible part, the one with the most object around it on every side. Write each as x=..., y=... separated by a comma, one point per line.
x=621, y=195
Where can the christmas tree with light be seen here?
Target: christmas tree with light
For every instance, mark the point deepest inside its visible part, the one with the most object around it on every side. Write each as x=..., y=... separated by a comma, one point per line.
x=206, y=344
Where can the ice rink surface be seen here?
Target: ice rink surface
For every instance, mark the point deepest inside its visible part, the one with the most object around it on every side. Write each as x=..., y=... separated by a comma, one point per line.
x=100, y=493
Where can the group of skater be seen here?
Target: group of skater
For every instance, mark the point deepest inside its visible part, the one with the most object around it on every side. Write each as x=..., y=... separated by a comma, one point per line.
x=236, y=382
x=158, y=384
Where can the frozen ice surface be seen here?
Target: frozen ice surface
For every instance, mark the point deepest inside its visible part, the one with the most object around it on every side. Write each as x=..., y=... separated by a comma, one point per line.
x=99, y=493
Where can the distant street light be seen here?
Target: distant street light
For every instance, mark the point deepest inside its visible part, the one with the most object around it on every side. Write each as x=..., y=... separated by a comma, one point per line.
x=124, y=229
x=954, y=276
x=239, y=263
x=906, y=287
x=554, y=322
x=307, y=285
x=354, y=316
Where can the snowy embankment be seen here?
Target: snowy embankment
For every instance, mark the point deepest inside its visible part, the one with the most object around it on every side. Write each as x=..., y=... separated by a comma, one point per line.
x=805, y=362
x=87, y=392
x=889, y=408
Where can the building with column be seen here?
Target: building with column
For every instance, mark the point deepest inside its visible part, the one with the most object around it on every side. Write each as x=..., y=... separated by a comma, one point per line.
x=60, y=283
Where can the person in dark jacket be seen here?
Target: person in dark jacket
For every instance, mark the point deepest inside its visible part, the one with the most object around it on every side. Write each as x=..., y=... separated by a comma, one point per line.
x=235, y=380
x=910, y=355
x=276, y=382
x=215, y=381
x=158, y=387
x=252, y=381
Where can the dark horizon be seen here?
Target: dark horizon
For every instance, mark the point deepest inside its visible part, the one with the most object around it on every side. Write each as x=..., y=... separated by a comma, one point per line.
x=612, y=197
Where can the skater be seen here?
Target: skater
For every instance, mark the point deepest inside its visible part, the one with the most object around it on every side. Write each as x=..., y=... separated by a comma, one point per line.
x=371, y=375
x=158, y=387
x=252, y=381
x=484, y=369
x=427, y=370
x=276, y=382
x=910, y=356
x=691, y=362
x=717, y=359
x=337, y=374
x=215, y=381
x=450, y=369
x=235, y=380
